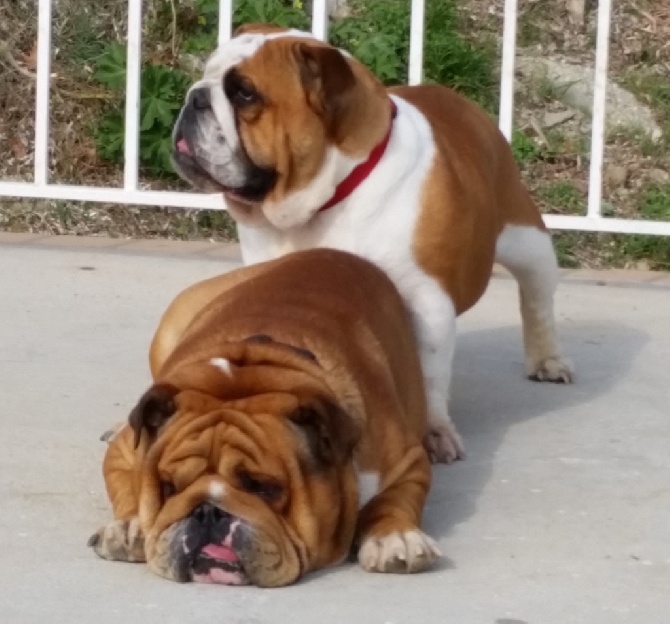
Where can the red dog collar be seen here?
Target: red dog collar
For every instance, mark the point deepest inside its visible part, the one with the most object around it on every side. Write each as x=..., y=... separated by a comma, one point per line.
x=362, y=171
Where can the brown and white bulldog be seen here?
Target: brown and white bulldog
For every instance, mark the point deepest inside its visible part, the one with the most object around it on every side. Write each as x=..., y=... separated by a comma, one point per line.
x=310, y=150
x=284, y=426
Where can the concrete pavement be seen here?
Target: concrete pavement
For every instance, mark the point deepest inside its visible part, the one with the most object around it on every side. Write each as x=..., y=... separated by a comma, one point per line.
x=560, y=514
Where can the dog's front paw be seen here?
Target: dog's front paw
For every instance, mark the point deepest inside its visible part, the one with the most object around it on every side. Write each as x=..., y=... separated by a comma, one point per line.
x=442, y=442
x=554, y=368
x=400, y=552
x=121, y=540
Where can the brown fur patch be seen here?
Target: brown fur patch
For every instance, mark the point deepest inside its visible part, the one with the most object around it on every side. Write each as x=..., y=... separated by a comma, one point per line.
x=472, y=191
x=291, y=137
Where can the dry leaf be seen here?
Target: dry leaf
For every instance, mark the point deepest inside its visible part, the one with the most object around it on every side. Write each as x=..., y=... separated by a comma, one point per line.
x=30, y=58
x=18, y=148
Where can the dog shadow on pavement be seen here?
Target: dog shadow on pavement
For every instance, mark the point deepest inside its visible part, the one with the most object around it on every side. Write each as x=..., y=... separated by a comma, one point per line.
x=490, y=396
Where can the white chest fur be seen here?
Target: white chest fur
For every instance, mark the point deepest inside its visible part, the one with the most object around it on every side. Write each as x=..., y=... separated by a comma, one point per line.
x=377, y=221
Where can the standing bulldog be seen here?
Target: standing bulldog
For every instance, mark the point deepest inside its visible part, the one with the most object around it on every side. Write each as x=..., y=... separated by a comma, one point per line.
x=310, y=150
x=284, y=425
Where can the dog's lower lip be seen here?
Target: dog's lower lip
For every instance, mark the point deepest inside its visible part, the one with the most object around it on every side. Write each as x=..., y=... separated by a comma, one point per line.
x=226, y=190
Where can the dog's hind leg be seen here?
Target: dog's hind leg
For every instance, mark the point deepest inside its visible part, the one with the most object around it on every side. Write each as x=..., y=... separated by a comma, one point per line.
x=527, y=253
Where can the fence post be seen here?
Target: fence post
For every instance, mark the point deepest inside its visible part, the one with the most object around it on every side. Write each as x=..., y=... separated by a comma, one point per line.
x=416, y=37
x=506, y=112
x=599, y=104
x=133, y=77
x=320, y=19
x=225, y=20
x=42, y=93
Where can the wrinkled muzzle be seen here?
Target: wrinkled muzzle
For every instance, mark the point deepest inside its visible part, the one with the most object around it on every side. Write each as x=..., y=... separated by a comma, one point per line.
x=207, y=151
x=206, y=547
x=214, y=546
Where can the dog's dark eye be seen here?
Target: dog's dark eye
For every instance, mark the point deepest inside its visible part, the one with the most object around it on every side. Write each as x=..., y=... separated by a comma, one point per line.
x=243, y=95
x=167, y=490
x=264, y=487
x=239, y=91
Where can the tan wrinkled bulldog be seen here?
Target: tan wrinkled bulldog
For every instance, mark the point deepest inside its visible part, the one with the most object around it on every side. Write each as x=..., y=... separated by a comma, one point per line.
x=284, y=426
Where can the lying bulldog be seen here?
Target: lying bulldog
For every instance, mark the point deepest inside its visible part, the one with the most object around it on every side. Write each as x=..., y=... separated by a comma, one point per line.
x=309, y=149
x=284, y=425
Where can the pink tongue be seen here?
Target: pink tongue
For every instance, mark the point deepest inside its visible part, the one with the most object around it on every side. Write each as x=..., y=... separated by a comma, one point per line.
x=220, y=552
x=182, y=146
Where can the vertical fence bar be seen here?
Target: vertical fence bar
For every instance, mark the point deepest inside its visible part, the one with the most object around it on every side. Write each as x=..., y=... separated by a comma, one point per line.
x=416, y=35
x=599, y=104
x=42, y=89
x=320, y=19
x=225, y=20
x=506, y=112
x=132, y=121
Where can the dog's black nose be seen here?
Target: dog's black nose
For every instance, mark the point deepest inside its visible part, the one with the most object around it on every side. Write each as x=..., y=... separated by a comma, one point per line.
x=208, y=515
x=199, y=98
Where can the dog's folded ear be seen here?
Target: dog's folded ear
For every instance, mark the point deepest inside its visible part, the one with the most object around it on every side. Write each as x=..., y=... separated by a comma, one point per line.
x=153, y=410
x=330, y=432
x=328, y=81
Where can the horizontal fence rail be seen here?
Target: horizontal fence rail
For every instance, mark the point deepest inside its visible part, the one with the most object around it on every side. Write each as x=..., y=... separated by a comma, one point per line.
x=131, y=193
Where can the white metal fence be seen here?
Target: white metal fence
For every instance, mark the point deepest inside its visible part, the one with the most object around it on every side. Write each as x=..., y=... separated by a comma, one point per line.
x=131, y=193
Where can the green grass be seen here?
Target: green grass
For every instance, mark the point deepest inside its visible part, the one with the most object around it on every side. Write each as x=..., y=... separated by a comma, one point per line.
x=564, y=143
x=162, y=94
x=216, y=221
x=524, y=148
x=655, y=203
x=617, y=250
x=653, y=251
x=198, y=23
x=78, y=43
x=377, y=33
x=531, y=27
x=654, y=90
x=564, y=196
x=575, y=249
x=640, y=139
x=64, y=214
x=565, y=244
